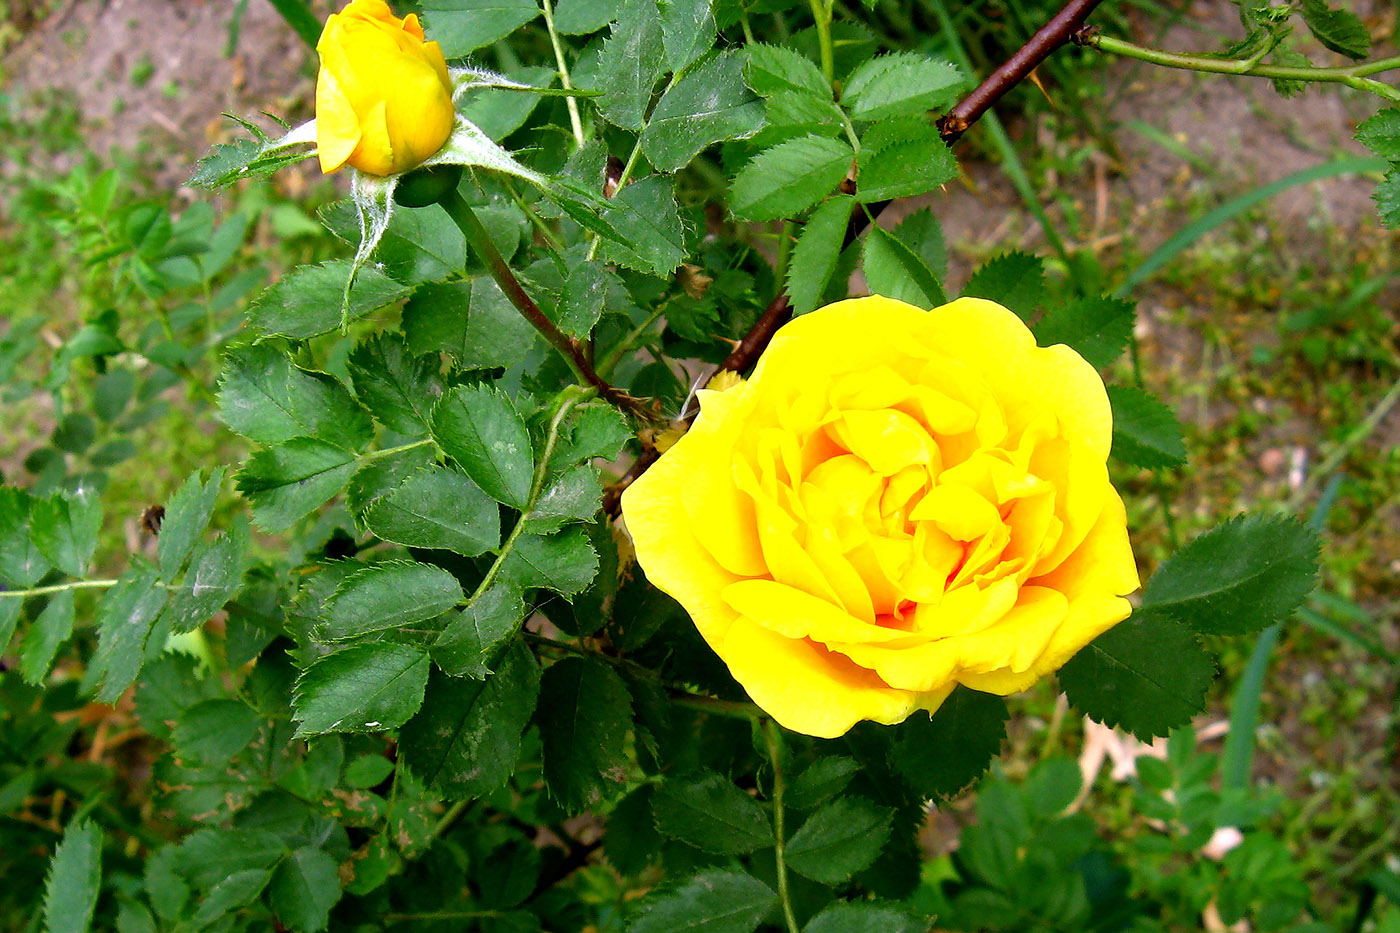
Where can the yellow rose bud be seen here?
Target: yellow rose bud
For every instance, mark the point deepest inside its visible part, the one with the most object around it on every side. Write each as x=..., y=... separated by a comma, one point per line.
x=897, y=501
x=383, y=96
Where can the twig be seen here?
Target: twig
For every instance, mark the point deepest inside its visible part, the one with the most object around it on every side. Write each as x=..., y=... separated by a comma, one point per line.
x=1050, y=37
x=745, y=353
x=1350, y=75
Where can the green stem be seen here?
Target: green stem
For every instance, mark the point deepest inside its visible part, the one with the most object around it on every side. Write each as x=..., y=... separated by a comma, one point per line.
x=821, y=12
x=569, y=398
x=480, y=243
x=780, y=266
x=56, y=588
x=614, y=356
x=569, y=102
x=1350, y=75
x=390, y=451
x=773, y=738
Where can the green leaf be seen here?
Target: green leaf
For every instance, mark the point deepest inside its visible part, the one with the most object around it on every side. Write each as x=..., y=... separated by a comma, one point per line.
x=473, y=322
x=632, y=60
x=564, y=562
x=905, y=168
x=899, y=84
x=437, y=508
x=1145, y=431
x=580, y=17
x=790, y=177
x=266, y=399
x=10, y=610
x=46, y=635
x=839, y=840
x=75, y=876
x=894, y=270
x=212, y=732
x=584, y=714
x=21, y=564
x=714, y=901
x=707, y=811
x=307, y=302
x=214, y=576
x=419, y=245
x=368, y=771
x=598, y=431
x=1238, y=577
x=371, y=687
x=124, y=619
x=864, y=917
x=1052, y=786
x=246, y=158
x=708, y=105
x=921, y=232
x=817, y=252
x=399, y=388
x=646, y=228
x=573, y=496
x=64, y=527
x=1339, y=30
x=820, y=781
x=237, y=890
x=1014, y=280
x=467, y=642
x=1147, y=675
x=479, y=427
x=687, y=31
x=940, y=755
x=631, y=842
x=466, y=738
x=1096, y=328
x=305, y=886
x=387, y=596
x=380, y=476
x=186, y=517
x=463, y=26
x=287, y=482
x=1381, y=133
x=584, y=296
x=1387, y=198
x=774, y=69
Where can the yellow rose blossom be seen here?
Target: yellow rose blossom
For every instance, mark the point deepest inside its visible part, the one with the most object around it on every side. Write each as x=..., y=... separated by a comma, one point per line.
x=383, y=95
x=898, y=501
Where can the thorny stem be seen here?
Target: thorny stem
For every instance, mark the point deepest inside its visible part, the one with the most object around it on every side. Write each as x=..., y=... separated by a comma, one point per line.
x=480, y=242
x=1350, y=75
x=571, y=397
x=569, y=102
x=773, y=738
x=1050, y=37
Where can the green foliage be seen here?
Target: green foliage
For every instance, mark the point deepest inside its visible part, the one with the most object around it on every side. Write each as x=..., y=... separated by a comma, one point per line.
x=74, y=879
x=1239, y=577
x=430, y=685
x=1147, y=675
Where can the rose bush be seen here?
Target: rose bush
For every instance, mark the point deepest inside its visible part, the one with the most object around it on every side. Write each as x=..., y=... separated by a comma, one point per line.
x=898, y=501
x=383, y=95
